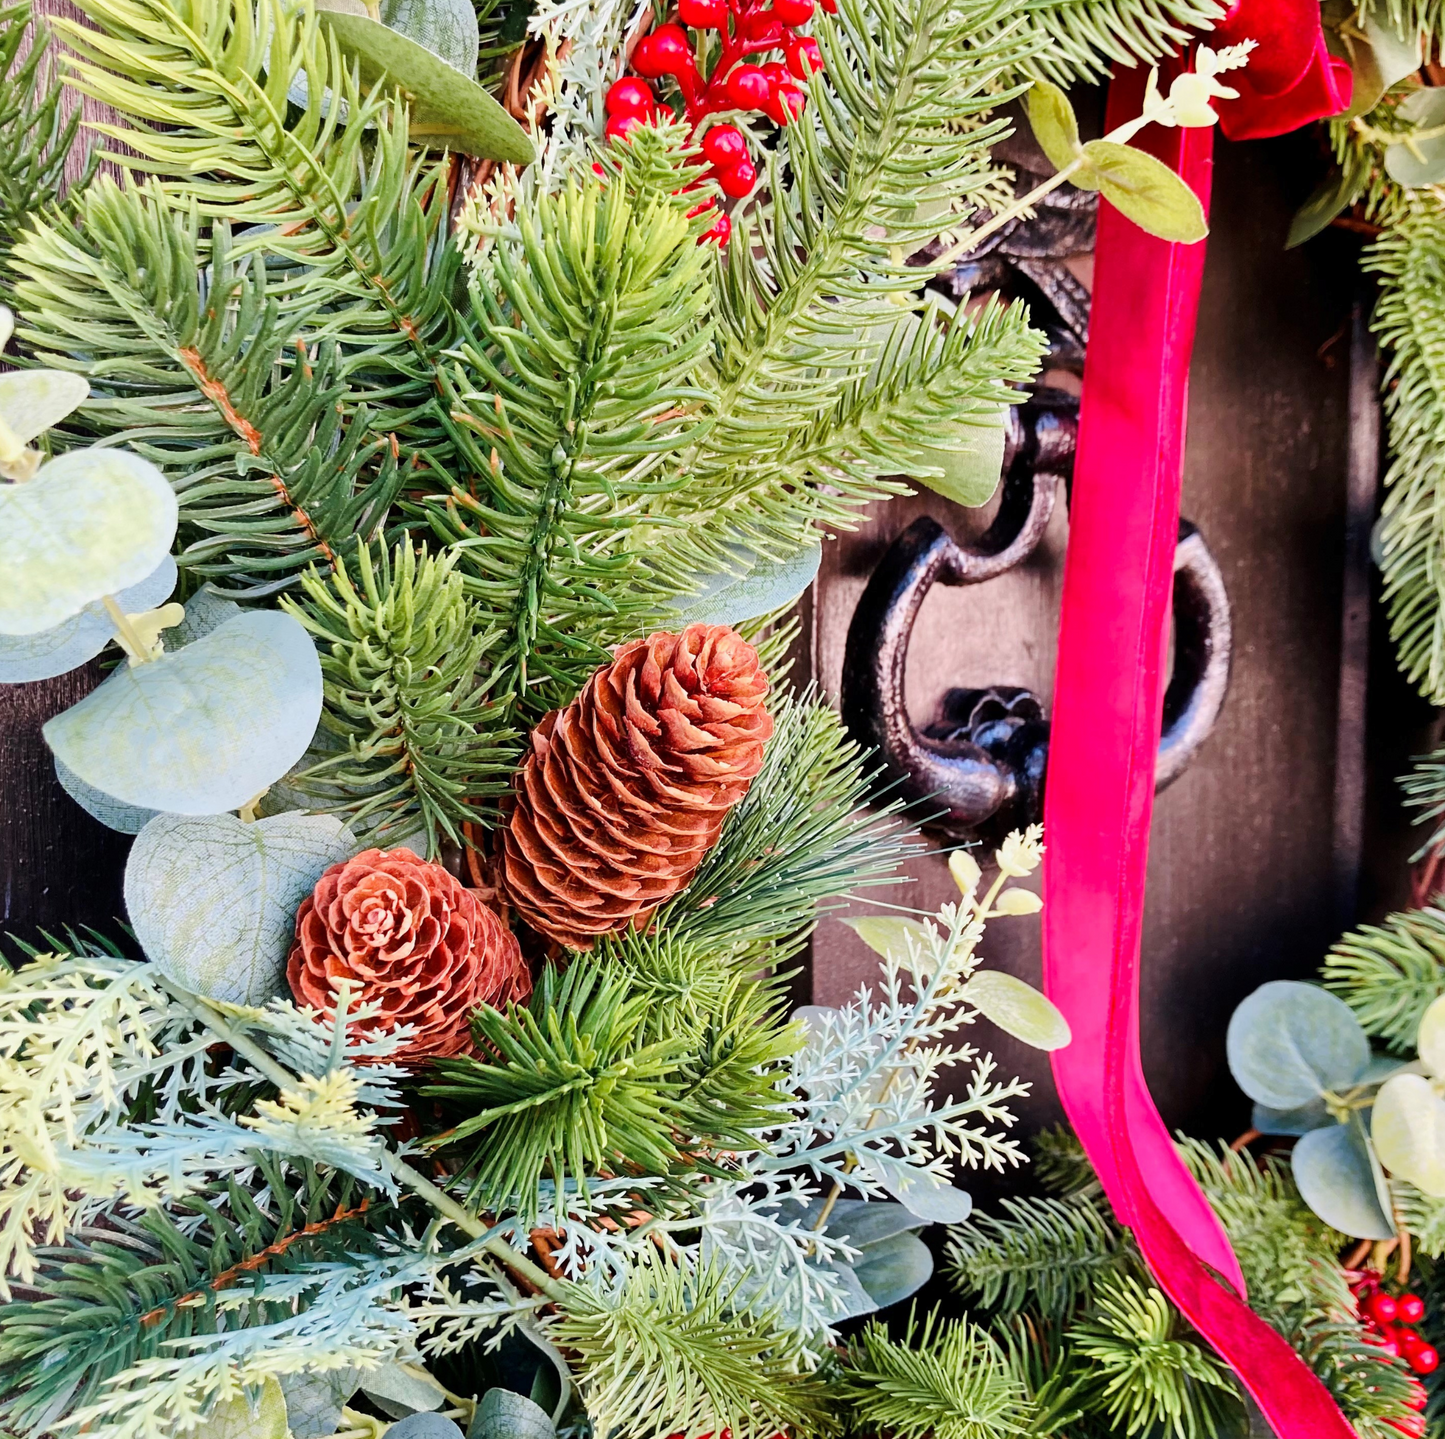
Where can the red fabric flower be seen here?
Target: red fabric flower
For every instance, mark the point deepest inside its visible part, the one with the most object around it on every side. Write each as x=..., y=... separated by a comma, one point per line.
x=409, y=938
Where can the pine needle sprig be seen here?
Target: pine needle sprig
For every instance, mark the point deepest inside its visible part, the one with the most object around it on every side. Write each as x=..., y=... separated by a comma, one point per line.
x=405, y=701
x=1140, y=1369
x=668, y=1351
x=1062, y=1167
x=948, y=1380
x=1424, y=789
x=209, y=376
x=1390, y=974
x=1046, y=1254
x=34, y=140
x=1078, y=40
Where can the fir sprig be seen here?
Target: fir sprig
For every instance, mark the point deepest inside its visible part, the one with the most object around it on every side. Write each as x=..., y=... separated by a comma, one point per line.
x=406, y=703
x=950, y=1380
x=1391, y=973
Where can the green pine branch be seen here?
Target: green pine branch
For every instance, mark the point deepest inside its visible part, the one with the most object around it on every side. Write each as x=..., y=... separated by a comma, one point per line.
x=1409, y=318
x=947, y=1380
x=573, y=398
x=1078, y=40
x=1391, y=973
x=208, y=375
x=670, y=1351
x=127, y=1290
x=409, y=733
x=34, y=140
x=1046, y=1254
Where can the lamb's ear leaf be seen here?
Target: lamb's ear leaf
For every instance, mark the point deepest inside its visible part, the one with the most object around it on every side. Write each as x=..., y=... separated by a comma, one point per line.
x=758, y=588
x=1017, y=1008
x=448, y=108
x=202, y=729
x=90, y=523
x=70, y=644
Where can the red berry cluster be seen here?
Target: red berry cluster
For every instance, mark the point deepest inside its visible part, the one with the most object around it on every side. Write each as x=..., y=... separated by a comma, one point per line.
x=748, y=28
x=1390, y=1326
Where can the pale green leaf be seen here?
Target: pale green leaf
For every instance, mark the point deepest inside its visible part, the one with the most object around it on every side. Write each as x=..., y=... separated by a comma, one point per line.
x=315, y=1399
x=889, y=935
x=969, y=458
x=31, y=401
x=1333, y=1170
x=505, y=1415
x=239, y=1420
x=447, y=28
x=1051, y=118
x=447, y=106
x=1416, y=163
x=1408, y=1128
x=1289, y=1042
x=1017, y=1008
x=213, y=903
x=57, y=651
x=1430, y=1043
x=1335, y=193
x=1144, y=189
x=112, y=813
x=1017, y=901
x=202, y=729
x=760, y=587
x=928, y=1197
x=91, y=523
x=423, y=1426
x=402, y=1389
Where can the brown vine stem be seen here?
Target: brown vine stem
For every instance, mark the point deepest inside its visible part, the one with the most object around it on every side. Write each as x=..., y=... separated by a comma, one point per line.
x=400, y=1170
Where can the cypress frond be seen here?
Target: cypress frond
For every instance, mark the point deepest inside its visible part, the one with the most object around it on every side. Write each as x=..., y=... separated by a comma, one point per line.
x=1049, y=1254
x=207, y=375
x=1410, y=321
x=1390, y=973
x=33, y=141
x=1140, y=1369
x=948, y=1380
x=405, y=701
x=573, y=398
x=669, y=1352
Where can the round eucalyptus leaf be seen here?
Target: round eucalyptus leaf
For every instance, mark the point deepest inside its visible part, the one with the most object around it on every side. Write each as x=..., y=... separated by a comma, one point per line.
x=314, y=1401
x=213, y=903
x=31, y=401
x=927, y=1197
x=423, y=1426
x=57, y=651
x=205, y=611
x=111, y=812
x=1051, y=118
x=1017, y=1008
x=201, y=729
x=1336, y=1179
x=762, y=587
x=239, y=1419
x=1408, y=1128
x=968, y=456
x=1289, y=1042
x=894, y=1268
x=447, y=107
x=91, y=523
x=1291, y=1121
x=398, y=1389
x=505, y=1415
x=851, y=1299
x=1144, y=189
x=1430, y=1043
x=1417, y=162
x=863, y=1223
x=1334, y=194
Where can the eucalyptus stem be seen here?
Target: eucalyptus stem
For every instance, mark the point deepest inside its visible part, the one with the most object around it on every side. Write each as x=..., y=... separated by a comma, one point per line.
x=135, y=646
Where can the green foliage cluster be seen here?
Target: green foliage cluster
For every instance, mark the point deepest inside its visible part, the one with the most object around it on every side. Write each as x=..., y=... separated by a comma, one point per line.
x=1390, y=974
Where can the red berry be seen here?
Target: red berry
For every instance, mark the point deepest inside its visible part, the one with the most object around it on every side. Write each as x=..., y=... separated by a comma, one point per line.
x=722, y=231
x=1409, y=1342
x=724, y=146
x=738, y=181
x=664, y=52
x=1412, y=1426
x=1387, y=1345
x=1410, y=1308
x=748, y=88
x=776, y=72
x=620, y=126
x=804, y=57
x=1419, y=1394
x=1381, y=1309
x=831, y=6
x=791, y=100
x=1425, y=1360
x=704, y=14
x=793, y=12
x=630, y=96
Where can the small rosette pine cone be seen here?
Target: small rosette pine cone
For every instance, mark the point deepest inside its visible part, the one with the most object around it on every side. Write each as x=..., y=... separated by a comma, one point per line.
x=410, y=939
x=625, y=790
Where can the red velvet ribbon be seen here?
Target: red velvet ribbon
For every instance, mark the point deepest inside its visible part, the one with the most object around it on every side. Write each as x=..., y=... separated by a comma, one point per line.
x=1107, y=710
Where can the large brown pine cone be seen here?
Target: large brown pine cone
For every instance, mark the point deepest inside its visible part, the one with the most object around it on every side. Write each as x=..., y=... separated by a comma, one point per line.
x=625, y=790
x=405, y=936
